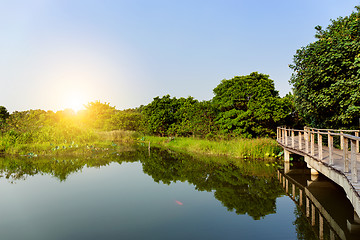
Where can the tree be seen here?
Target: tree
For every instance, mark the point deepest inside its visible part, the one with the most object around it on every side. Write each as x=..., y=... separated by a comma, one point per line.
x=159, y=115
x=249, y=106
x=326, y=75
x=168, y=116
x=96, y=114
x=4, y=114
x=128, y=119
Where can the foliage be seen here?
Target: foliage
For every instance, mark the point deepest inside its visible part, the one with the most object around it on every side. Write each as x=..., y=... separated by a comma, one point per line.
x=96, y=114
x=159, y=115
x=260, y=148
x=326, y=76
x=168, y=116
x=4, y=114
x=244, y=192
x=249, y=106
x=239, y=190
x=129, y=120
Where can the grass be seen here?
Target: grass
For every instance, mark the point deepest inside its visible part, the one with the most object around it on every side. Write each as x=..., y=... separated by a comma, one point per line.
x=99, y=143
x=259, y=148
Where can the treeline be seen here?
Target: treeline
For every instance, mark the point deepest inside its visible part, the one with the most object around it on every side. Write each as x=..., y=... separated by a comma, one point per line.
x=245, y=106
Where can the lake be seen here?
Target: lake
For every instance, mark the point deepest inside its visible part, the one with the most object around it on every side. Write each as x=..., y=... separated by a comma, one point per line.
x=137, y=195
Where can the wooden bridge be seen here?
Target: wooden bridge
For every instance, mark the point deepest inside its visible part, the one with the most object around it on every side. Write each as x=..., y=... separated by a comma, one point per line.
x=327, y=151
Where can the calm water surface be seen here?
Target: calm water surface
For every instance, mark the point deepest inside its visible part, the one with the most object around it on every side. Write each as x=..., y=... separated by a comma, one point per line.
x=136, y=196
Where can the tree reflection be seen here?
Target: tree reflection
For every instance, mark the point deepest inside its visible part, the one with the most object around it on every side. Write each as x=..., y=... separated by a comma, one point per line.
x=246, y=188
x=249, y=187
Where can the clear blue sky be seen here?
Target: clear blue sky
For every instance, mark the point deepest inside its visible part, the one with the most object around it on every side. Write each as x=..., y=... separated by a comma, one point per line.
x=56, y=54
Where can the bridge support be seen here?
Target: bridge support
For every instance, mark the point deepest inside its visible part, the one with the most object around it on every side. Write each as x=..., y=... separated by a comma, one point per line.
x=312, y=170
x=286, y=161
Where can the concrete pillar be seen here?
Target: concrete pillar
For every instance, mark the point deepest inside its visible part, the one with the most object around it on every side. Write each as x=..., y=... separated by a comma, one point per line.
x=313, y=171
x=286, y=167
x=286, y=155
x=286, y=161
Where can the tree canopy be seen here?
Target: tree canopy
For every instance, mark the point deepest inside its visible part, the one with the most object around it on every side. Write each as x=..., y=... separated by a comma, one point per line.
x=326, y=75
x=249, y=106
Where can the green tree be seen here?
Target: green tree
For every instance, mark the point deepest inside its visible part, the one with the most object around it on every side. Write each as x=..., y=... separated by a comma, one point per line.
x=96, y=114
x=129, y=119
x=159, y=115
x=326, y=75
x=168, y=116
x=249, y=106
x=4, y=114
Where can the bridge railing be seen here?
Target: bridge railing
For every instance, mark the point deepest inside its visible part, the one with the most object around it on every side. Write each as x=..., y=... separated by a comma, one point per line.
x=310, y=141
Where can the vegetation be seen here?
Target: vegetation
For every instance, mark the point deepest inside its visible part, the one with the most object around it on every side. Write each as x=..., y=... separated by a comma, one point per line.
x=326, y=76
x=244, y=187
x=249, y=106
x=245, y=106
x=260, y=148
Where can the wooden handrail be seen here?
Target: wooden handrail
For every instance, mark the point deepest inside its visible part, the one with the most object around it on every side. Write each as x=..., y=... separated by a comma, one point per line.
x=306, y=137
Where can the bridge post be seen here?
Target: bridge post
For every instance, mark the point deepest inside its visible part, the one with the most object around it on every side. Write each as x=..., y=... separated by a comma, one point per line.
x=345, y=154
x=312, y=141
x=300, y=140
x=306, y=136
x=307, y=206
x=292, y=138
x=357, y=142
x=354, y=175
x=313, y=215
x=293, y=190
x=321, y=227
x=331, y=148
x=286, y=137
x=320, y=145
x=342, y=140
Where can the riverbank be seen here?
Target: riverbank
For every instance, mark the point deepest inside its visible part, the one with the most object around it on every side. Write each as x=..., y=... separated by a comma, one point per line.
x=117, y=141
x=259, y=148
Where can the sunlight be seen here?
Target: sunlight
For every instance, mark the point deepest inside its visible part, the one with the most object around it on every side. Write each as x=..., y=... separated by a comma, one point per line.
x=75, y=101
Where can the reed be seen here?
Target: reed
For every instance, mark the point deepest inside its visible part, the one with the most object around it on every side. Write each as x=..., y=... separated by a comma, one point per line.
x=259, y=148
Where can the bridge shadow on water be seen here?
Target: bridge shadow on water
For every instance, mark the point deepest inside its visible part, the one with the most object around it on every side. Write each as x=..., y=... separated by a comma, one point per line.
x=323, y=204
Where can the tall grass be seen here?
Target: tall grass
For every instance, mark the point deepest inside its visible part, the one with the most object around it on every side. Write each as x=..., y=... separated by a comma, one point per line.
x=119, y=136
x=263, y=148
x=62, y=141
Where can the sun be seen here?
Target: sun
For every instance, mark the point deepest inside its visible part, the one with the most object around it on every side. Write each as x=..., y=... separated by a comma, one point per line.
x=75, y=101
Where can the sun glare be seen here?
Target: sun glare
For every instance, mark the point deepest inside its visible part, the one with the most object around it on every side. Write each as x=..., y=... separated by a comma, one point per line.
x=75, y=101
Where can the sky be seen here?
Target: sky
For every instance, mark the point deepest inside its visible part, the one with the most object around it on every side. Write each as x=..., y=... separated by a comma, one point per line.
x=58, y=54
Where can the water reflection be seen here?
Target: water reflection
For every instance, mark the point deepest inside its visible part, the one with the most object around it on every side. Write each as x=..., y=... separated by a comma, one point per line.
x=245, y=188
x=323, y=210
